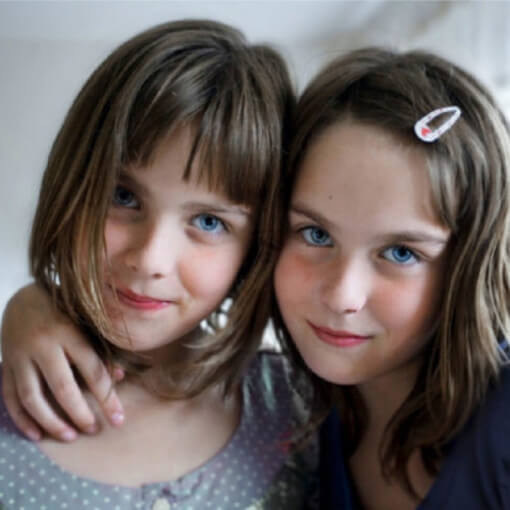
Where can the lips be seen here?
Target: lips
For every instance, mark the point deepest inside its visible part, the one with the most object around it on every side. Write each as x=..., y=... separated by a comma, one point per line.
x=141, y=302
x=338, y=338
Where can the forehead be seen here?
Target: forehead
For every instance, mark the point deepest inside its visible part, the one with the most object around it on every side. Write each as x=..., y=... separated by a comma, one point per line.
x=355, y=172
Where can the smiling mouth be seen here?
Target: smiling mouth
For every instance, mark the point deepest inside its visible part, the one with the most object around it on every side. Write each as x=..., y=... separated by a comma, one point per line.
x=338, y=338
x=140, y=302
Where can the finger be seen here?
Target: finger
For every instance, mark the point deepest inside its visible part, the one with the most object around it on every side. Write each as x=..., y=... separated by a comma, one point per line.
x=118, y=373
x=20, y=418
x=59, y=377
x=98, y=380
x=33, y=401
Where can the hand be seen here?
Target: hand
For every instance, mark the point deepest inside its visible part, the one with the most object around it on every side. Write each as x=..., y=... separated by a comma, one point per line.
x=39, y=345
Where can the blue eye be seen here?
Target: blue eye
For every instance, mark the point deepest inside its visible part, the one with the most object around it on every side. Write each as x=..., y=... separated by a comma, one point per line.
x=316, y=236
x=122, y=197
x=400, y=255
x=208, y=223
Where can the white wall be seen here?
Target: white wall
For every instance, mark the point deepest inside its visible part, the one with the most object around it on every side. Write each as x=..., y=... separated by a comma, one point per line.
x=47, y=49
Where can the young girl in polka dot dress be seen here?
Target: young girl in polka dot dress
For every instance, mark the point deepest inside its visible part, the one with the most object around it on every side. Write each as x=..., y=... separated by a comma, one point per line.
x=159, y=201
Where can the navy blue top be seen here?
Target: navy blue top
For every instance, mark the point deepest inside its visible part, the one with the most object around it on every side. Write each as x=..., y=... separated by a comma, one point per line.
x=475, y=474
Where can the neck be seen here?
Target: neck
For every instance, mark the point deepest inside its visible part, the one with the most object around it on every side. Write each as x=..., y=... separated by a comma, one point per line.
x=151, y=369
x=384, y=395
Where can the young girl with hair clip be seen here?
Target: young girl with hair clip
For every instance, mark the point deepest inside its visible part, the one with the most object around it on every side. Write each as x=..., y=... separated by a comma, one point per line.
x=158, y=202
x=394, y=281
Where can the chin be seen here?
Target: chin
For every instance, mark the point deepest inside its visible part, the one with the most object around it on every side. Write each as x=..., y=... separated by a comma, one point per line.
x=325, y=366
x=137, y=342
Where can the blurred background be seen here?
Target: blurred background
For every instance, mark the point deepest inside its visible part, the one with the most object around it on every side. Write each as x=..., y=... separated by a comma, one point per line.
x=48, y=49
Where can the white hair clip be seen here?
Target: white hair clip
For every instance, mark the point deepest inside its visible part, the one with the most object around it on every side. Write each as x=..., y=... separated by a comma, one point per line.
x=425, y=133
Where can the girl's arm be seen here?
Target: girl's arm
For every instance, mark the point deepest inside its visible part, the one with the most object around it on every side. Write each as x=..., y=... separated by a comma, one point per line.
x=39, y=345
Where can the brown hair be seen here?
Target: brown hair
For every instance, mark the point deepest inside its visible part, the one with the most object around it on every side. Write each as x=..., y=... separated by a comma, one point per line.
x=238, y=99
x=469, y=174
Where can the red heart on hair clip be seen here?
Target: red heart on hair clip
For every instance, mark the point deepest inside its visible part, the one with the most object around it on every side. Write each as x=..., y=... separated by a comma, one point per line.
x=425, y=131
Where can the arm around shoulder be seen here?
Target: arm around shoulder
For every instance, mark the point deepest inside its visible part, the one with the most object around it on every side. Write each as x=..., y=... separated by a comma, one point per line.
x=39, y=342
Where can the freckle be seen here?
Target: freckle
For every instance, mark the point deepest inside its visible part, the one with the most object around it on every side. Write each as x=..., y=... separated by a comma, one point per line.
x=330, y=197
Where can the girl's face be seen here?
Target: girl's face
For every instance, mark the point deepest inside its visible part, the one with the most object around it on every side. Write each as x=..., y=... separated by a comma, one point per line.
x=359, y=278
x=174, y=249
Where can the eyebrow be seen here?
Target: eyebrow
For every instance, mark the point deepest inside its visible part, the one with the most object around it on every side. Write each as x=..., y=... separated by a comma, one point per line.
x=411, y=236
x=404, y=236
x=130, y=179
x=313, y=215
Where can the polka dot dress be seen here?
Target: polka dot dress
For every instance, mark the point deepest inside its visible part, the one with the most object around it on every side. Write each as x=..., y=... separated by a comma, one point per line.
x=253, y=471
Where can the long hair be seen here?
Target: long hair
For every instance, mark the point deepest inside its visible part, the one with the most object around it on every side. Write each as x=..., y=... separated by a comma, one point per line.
x=238, y=99
x=468, y=168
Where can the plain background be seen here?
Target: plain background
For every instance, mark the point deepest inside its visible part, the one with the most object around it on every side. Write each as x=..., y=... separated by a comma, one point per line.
x=47, y=50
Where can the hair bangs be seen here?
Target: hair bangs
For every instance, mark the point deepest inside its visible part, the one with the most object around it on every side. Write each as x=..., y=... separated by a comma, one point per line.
x=231, y=160
x=234, y=142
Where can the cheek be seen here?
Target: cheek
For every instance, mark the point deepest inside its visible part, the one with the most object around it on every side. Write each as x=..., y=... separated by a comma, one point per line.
x=211, y=272
x=294, y=279
x=116, y=238
x=411, y=305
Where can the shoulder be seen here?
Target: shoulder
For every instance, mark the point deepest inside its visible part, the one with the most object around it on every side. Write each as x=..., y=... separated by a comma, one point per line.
x=275, y=418
x=269, y=370
x=476, y=470
x=279, y=386
x=493, y=416
x=17, y=457
x=6, y=424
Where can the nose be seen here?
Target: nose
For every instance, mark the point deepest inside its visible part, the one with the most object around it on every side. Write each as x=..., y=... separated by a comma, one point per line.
x=346, y=285
x=152, y=250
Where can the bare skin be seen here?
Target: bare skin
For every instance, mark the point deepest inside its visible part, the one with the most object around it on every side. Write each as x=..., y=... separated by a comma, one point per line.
x=23, y=391
x=153, y=434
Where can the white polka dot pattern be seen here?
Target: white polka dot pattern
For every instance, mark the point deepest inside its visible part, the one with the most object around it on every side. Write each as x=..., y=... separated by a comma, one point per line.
x=254, y=471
